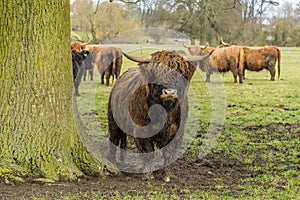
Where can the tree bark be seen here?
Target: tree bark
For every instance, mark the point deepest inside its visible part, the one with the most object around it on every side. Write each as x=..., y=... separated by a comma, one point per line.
x=38, y=135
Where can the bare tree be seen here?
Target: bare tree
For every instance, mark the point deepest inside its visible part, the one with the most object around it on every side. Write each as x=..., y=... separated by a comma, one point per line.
x=102, y=21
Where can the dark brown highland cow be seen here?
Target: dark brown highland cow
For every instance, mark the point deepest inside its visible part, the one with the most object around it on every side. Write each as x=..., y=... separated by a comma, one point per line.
x=150, y=104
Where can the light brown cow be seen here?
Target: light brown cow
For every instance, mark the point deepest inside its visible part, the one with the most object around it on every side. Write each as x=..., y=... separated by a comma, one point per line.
x=90, y=48
x=221, y=60
x=257, y=59
x=78, y=46
x=198, y=50
x=224, y=60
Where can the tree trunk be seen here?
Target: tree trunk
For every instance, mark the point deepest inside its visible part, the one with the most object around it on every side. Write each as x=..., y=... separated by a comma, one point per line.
x=38, y=135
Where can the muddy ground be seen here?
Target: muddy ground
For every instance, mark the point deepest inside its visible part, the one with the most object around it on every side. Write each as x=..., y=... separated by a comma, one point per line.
x=188, y=173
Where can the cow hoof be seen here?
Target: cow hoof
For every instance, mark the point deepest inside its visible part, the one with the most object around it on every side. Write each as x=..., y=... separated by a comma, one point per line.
x=166, y=179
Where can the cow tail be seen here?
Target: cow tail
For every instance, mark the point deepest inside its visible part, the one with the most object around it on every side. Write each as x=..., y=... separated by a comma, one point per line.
x=242, y=61
x=278, y=64
x=114, y=64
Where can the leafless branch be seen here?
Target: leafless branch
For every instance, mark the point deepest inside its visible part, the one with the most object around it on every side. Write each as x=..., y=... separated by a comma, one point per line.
x=97, y=7
x=234, y=5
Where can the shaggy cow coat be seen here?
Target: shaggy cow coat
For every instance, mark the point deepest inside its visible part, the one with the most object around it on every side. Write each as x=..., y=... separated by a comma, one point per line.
x=143, y=98
x=257, y=59
x=221, y=60
x=224, y=60
x=109, y=62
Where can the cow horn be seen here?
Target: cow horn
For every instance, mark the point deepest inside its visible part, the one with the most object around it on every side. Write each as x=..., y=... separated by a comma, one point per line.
x=184, y=45
x=141, y=59
x=223, y=42
x=197, y=58
x=84, y=44
x=204, y=47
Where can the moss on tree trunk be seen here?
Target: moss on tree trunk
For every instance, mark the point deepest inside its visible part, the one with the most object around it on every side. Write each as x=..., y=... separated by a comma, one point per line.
x=38, y=135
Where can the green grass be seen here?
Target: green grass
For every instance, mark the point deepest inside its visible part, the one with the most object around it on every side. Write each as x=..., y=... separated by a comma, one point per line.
x=260, y=128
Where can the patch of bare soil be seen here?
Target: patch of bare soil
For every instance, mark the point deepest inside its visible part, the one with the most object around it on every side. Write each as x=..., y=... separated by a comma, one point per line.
x=188, y=173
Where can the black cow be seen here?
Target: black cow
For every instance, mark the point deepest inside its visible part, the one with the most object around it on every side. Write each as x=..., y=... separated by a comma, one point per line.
x=81, y=61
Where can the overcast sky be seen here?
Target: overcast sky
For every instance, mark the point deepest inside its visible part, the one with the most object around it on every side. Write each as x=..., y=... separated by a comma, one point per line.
x=280, y=1
x=293, y=2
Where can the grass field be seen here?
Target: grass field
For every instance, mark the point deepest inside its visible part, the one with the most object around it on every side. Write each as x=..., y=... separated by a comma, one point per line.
x=261, y=129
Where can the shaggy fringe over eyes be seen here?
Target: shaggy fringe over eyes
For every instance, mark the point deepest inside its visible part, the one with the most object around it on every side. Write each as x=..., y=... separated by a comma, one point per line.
x=164, y=64
x=174, y=61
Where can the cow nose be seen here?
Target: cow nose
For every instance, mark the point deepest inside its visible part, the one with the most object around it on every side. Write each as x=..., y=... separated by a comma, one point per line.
x=169, y=93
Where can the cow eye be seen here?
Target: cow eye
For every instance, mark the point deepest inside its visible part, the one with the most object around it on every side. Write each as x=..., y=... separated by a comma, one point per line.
x=161, y=87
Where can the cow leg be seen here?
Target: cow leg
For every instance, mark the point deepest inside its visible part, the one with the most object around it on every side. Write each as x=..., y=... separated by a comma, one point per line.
x=123, y=146
x=84, y=75
x=241, y=77
x=117, y=137
x=167, y=155
x=272, y=72
x=91, y=72
x=107, y=75
x=114, y=139
x=234, y=72
x=78, y=79
x=102, y=78
x=169, y=152
x=107, y=80
x=114, y=142
x=145, y=146
x=235, y=78
x=207, y=77
x=240, y=72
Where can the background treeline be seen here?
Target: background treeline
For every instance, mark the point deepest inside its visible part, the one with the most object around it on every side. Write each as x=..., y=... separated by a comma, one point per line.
x=243, y=22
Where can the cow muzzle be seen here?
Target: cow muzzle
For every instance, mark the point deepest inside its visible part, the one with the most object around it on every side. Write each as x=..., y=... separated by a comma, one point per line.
x=169, y=94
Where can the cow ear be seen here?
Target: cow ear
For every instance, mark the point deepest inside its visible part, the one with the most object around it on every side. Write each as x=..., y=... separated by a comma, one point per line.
x=146, y=72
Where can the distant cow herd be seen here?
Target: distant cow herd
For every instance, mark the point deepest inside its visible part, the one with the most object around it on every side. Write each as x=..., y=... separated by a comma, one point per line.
x=107, y=59
x=225, y=57
x=237, y=59
x=160, y=79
